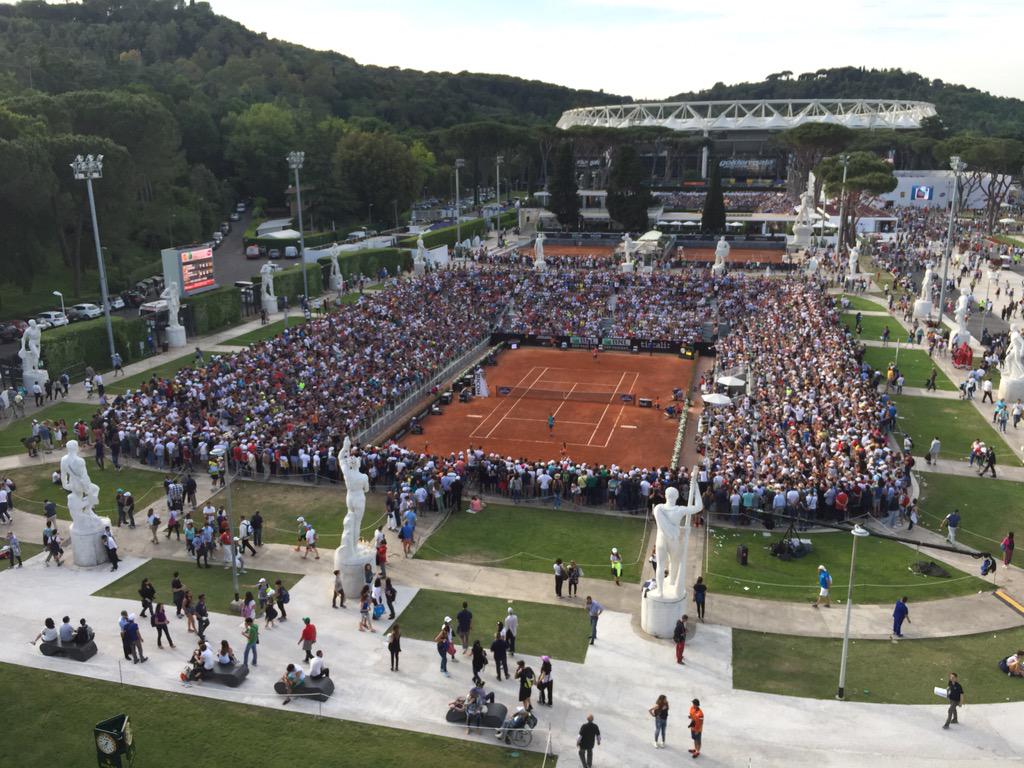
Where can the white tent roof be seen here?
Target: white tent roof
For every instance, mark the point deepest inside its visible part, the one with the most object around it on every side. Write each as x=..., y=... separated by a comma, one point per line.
x=271, y=224
x=284, y=234
x=652, y=236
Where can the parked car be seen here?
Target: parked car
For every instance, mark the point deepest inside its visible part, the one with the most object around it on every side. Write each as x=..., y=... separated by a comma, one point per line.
x=252, y=252
x=132, y=298
x=52, y=319
x=84, y=312
x=235, y=216
x=274, y=253
x=9, y=332
x=240, y=207
x=217, y=237
x=225, y=227
x=115, y=302
x=291, y=252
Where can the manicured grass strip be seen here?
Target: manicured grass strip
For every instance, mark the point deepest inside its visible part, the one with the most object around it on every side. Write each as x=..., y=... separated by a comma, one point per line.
x=164, y=370
x=561, y=632
x=526, y=539
x=867, y=305
x=957, y=424
x=277, y=736
x=214, y=582
x=873, y=325
x=12, y=432
x=915, y=365
x=265, y=332
x=879, y=671
x=988, y=508
x=883, y=569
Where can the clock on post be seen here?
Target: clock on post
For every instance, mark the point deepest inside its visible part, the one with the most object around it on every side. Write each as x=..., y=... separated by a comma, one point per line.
x=115, y=744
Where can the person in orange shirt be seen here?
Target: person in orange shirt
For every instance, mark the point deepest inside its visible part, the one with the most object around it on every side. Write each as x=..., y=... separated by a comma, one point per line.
x=696, y=727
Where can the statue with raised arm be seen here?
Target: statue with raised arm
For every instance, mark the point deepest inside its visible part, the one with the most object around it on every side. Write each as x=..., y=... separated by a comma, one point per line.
x=669, y=544
x=267, y=278
x=83, y=494
x=963, y=306
x=170, y=295
x=336, y=279
x=1013, y=363
x=357, y=484
x=29, y=352
x=926, y=284
x=853, y=261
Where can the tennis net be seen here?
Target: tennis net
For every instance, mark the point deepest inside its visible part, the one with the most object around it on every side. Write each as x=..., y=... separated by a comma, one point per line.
x=574, y=395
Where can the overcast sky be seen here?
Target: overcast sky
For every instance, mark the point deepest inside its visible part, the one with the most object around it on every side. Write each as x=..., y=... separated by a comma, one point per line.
x=652, y=49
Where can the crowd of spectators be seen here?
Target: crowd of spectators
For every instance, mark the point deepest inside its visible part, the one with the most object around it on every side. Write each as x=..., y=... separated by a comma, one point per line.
x=760, y=201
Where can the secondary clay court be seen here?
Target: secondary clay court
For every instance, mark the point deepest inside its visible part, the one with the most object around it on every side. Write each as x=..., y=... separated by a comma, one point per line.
x=553, y=249
x=736, y=255
x=594, y=404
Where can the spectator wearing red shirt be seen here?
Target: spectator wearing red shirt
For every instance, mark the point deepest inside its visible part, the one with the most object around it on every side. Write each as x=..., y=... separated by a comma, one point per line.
x=308, y=637
x=841, y=501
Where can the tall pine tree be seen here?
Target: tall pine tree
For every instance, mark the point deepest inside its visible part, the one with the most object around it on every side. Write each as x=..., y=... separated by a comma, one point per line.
x=712, y=218
x=628, y=199
x=565, y=202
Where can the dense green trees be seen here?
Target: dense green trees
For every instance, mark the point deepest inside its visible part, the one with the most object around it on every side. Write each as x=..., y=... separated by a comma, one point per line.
x=378, y=170
x=712, y=217
x=867, y=175
x=628, y=198
x=565, y=202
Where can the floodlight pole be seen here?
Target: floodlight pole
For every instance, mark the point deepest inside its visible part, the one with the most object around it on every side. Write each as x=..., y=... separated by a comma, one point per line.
x=497, y=188
x=844, y=160
x=858, y=533
x=459, y=163
x=295, y=160
x=958, y=167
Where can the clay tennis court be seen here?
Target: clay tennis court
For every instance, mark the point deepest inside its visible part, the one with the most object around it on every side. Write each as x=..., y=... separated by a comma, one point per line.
x=571, y=250
x=736, y=255
x=603, y=428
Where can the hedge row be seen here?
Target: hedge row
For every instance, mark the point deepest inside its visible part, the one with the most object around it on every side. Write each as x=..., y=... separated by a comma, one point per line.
x=469, y=230
x=370, y=261
x=72, y=347
x=216, y=309
x=313, y=240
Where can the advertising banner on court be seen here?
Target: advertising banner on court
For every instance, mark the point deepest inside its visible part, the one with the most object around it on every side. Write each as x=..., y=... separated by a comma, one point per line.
x=608, y=343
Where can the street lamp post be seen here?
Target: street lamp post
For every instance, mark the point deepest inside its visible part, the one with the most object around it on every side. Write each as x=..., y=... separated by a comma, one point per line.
x=369, y=215
x=858, y=533
x=221, y=453
x=295, y=160
x=844, y=160
x=61, y=295
x=958, y=167
x=459, y=164
x=88, y=168
x=497, y=188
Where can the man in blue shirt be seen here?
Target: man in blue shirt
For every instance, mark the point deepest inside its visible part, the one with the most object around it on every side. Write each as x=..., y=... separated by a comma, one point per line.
x=952, y=523
x=824, y=584
x=594, y=610
x=900, y=614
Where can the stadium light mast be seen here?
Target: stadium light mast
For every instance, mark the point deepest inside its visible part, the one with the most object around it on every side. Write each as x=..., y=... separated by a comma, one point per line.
x=497, y=187
x=459, y=164
x=857, y=533
x=844, y=160
x=295, y=161
x=88, y=168
x=958, y=167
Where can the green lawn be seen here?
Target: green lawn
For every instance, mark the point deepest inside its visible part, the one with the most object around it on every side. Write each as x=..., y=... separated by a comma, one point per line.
x=527, y=539
x=988, y=508
x=561, y=632
x=915, y=365
x=873, y=326
x=34, y=487
x=957, y=424
x=277, y=738
x=883, y=570
x=859, y=302
x=879, y=671
x=214, y=582
x=12, y=432
x=265, y=332
x=164, y=370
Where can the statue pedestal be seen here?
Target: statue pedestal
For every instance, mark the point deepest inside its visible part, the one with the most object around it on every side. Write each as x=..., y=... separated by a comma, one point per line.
x=627, y=267
x=922, y=309
x=801, y=236
x=269, y=304
x=175, y=337
x=337, y=283
x=352, y=569
x=718, y=270
x=1011, y=390
x=29, y=378
x=418, y=268
x=658, y=615
x=87, y=549
x=540, y=265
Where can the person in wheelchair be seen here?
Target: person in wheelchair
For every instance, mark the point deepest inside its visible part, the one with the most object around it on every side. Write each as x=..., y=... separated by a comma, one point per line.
x=518, y=720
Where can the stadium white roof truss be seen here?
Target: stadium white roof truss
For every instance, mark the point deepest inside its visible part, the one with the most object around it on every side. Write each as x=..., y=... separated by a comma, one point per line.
x=766, y=115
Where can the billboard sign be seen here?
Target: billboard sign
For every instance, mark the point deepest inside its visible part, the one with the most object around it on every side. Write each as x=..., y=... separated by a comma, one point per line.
x=922, y=193
x=191, y=267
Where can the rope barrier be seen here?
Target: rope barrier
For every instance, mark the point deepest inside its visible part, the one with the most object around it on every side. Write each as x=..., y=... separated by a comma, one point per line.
x=836, y=585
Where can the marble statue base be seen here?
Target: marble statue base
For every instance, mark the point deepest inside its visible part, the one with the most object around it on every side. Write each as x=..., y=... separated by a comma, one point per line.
x=28, y=378
x=352, y=569
x=718, y=270
x=658, y=615
x=176, y=337
x=540, y=266
x=418, y=268
x=627, y=267
x=922, y=309
x=269, y=305
x=87, y=549
x=337, y=283
x=801, y=237
x=1011, y=390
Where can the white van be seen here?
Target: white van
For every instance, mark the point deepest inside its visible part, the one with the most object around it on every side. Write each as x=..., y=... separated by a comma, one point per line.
x=291, y=252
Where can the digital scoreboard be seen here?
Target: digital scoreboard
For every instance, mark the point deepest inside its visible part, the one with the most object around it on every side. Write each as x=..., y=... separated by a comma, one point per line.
x=191, y=267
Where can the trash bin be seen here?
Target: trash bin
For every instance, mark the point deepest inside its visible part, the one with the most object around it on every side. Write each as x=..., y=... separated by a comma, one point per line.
x=742, y=554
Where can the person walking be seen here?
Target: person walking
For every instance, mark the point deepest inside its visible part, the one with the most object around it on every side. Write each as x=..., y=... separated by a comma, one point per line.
x=700, y=594
x=989, y=462
x=573, y=577
x=696, y=727
x=307, y=638
x=1006, y=545
x=900, y=614
x=256, y=524
x=441, y=641
x=245, y=536
x=177, y=593
x=511, y=631
x=545, y=682
x=594, y=611
x=615, y=560
x=499, y=650
x=390, y=595
x=955, y=695
x=202, y=616
x=464, y=624
x=660, y=714
x=339, y=591
x=526, y=677
x=679, y=638
x=133, y=640
x=14, y=549
x=559, y=577
x=824, y=585
x=283, y=597
x=479, y=661
x=933, y=450
x=394, y=645
x=251, y=633
x=951, y=523
x=147, y=593
x=589, y=737
x=161, y=622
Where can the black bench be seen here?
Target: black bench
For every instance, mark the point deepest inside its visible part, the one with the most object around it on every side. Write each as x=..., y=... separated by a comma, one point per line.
x=492, y=718
x=230, y=675
x=71, y=651
x=320, y=689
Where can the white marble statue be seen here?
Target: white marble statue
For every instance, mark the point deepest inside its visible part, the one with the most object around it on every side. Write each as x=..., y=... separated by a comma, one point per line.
x=30, y=351
x=336, y=278
x=963, y=305
x=538, y=251
x=669, y=545
x=170, y=295
x=421, y=250
x=1013, y=363
x=721, y=254
x=357, y=485
x=267, y=277
x=83, y=494
x=853, y=261
x=926, y=284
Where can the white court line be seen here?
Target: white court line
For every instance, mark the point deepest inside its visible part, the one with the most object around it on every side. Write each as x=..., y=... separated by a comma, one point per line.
x=545, y=421
x=500, y=403
x=636, y=378
x=565, y=399
x=621, y=379
x=518, y=399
